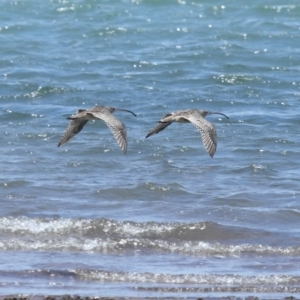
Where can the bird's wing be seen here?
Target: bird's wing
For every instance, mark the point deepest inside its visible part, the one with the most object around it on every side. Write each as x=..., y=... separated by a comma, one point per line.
x=73, y=128
x=116, y=126
x=159, y=127
x=208, y=132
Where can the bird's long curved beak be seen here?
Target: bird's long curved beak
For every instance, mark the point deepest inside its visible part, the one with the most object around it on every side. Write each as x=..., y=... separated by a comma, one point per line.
x=126, y=110
x=216, y=113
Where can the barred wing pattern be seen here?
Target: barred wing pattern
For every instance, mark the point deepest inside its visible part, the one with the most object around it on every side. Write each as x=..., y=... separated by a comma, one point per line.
x=116, y=126
x=159, y=127
x=74, y=127
x=208, y=132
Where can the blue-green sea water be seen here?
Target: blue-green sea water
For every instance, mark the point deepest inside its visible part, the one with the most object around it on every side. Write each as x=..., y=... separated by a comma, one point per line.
x=166, y=219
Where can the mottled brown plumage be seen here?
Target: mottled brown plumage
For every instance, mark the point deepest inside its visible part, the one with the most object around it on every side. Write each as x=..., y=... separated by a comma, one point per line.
x=196, y=117
x=97, y=113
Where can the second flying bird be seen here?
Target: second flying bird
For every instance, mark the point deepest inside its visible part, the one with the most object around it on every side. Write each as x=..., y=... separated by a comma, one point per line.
x=196, y=117
x=97, y=113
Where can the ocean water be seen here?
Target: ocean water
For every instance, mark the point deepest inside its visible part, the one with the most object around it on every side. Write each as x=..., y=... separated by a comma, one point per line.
x=166, y=219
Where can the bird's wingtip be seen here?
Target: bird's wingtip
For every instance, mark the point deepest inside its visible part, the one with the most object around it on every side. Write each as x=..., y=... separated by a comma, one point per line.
x=61, y=143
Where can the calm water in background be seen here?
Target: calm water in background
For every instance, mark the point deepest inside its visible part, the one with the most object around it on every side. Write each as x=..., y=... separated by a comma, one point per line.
x=165, y=219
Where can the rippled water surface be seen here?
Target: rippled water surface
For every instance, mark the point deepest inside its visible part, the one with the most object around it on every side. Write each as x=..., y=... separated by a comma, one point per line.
x=165, y=219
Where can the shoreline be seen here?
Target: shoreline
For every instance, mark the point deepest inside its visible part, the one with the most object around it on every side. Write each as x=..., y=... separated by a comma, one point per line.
x=77, y=297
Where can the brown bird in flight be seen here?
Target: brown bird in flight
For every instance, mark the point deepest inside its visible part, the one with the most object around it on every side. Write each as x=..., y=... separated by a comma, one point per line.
x=196, y=117
x=97, y=113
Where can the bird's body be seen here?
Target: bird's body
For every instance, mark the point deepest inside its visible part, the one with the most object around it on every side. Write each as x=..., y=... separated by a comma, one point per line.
x=196, y=117
x=97, y=113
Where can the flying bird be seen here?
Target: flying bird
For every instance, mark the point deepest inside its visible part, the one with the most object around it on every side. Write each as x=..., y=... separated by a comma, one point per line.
x=97, y=113
x=196, y=117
